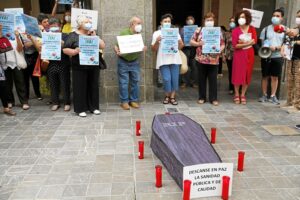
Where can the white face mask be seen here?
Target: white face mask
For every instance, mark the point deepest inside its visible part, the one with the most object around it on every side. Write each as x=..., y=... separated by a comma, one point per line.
x=297, y=21
x=138, y=28
x=242, y=21
x=68, y=18
x=166, y=25
x=190, y=22
x=209, y=24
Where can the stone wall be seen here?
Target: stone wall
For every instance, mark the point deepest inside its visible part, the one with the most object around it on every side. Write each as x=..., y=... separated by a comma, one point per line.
x=114, y=15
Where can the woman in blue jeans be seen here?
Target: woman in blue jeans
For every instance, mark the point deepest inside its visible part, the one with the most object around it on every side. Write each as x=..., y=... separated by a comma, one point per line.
x=168, y=64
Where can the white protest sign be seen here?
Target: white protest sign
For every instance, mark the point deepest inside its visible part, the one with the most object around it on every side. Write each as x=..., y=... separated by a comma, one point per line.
x=90, y=14
x=19, y=24
x=257, y=17
x=207, y=178
x=130, y=43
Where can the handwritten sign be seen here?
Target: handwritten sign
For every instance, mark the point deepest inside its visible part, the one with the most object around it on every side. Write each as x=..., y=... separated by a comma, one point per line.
x=51, y=46
x=8, y=24
x=130, y=43
x=90, y=14
x=31, y=25
x=169, y=40
x=207, y=178
x=65, y=1
x=89, y=50
x=19, y=24
x=188, y=32
x=211, y=37
x=257, y=17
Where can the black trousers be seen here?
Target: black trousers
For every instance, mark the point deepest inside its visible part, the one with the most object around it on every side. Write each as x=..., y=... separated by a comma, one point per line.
x=229, y=65
x=220, y=68
x=86, y=89
x=31, y=59
x=3, y=95
x=210, y=73
x=59, y=77
x=15, y=76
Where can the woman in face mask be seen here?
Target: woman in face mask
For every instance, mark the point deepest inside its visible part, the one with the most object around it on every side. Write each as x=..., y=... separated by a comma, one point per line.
x=85, y=78
x=168, y=64
x=207, y=64
x=243, y=39
x=66, y=25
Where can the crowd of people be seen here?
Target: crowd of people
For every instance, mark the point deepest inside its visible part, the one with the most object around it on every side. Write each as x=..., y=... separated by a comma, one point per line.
x=236, y=50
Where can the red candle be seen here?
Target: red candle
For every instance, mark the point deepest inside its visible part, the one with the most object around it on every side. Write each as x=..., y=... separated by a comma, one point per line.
x=225, y=187
x=186, y=189
x=213, y=135
x=167, y=113
x=158, y=176
x=240, y=167
x=141, y=149
x=138, y=128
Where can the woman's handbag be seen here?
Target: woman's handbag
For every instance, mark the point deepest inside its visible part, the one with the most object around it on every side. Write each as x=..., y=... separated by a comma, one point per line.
x=20, y=58
x=184, y=66
x=102, y=63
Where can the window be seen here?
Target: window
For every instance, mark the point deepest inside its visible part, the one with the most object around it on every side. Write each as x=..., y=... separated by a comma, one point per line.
x=47, y=5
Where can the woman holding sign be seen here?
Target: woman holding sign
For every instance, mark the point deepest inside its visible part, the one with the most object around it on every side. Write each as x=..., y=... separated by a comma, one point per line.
x=208, y=57
x=85, y=72
x=167, y=43
x=243, y=39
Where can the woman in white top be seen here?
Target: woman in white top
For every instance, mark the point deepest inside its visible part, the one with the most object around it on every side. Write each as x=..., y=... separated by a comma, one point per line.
x=168, y=63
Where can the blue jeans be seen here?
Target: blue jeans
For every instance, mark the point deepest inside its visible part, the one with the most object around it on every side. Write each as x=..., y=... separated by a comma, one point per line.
x=128, y=73
x=170, y=75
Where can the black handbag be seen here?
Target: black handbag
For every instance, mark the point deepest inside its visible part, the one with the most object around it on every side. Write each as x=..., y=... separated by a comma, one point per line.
x=102, y=63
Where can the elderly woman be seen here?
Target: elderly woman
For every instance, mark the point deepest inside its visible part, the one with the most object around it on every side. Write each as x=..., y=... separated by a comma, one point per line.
x=85, y=77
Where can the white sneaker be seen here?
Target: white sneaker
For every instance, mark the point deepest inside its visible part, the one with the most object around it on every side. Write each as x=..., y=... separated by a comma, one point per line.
x=82, y=114
x=96, y=112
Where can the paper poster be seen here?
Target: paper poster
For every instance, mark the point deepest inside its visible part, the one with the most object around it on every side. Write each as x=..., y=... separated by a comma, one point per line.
x=89, y=50
x=188, y=32
x=257, y=17
x=51, y=46
x=130, y=43
x=31, y=25
x=19, y=24
x=90, y=14
x=211, y=36
x=169, y=40
x=65, y=1
x=207, y=179
x=8, y=25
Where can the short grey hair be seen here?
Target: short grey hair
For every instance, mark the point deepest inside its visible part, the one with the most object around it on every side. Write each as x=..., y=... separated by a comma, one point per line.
x=80, y=20
x=133, y=19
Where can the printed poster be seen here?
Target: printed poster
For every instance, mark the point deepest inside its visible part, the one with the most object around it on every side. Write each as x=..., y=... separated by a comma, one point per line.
x=51, y=46
x=89, y=50
x=19, y=24
x=8, y=25
x=169, y=40
x=188, y=32
x=211, y=36
x=31, y=25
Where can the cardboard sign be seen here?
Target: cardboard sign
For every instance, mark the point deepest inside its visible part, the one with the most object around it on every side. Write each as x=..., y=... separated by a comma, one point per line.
x=207, y=178
x=90, y=14
x=257, y=17
x=19, y=24
x=130, y=43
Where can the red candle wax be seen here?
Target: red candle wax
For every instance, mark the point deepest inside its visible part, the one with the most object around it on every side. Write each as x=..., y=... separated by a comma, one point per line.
x=158, y=169
x=213, y=135
x=167, y=113
x=240, y=167
x=138, y=128
x=225, y=187
x=141, y=149
x=186, y=189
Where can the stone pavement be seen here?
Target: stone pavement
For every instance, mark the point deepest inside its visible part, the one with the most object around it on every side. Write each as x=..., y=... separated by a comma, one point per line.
x=57, y=155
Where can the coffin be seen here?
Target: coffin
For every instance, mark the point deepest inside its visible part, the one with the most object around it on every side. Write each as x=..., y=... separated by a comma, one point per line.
x=178, y=141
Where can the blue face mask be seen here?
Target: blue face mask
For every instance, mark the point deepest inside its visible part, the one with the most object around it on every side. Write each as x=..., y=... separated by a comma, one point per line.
x=275, y=20
x=166, y=25
x=54, y=29
x=88, y=26
x=232, y=25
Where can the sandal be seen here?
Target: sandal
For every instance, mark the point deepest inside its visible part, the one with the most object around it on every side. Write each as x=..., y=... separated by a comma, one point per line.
x=201, y=101
x=236, y=100
x=9, y=112
x=215, y=103
x=166, y=100
x=173, y=101
x=243, y=100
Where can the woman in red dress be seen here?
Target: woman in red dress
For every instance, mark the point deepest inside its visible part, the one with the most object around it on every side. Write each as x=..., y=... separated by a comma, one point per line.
x=243, y=39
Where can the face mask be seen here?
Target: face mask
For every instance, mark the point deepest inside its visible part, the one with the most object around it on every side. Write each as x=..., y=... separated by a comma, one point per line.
x=54, y=29
x=190, y=22
x=68, y=18
x=209, y=24
x=298, y=21
x=242, y=21
x=138, y=28
x=88, y=26
x=275, y=20
x=166, y=25
x=232, y=25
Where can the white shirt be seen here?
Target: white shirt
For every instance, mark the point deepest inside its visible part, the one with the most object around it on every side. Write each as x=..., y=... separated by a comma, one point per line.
x=10, y=60
x=165, y=59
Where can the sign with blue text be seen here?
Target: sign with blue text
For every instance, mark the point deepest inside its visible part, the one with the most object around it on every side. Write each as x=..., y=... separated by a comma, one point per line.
x=211, y=36
x=19, y=24
x=188, y=32
x=65, y=2
x=32, y=26
x=169, y=40
x=51, y=46
x=8, y=25
x=89, y=50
